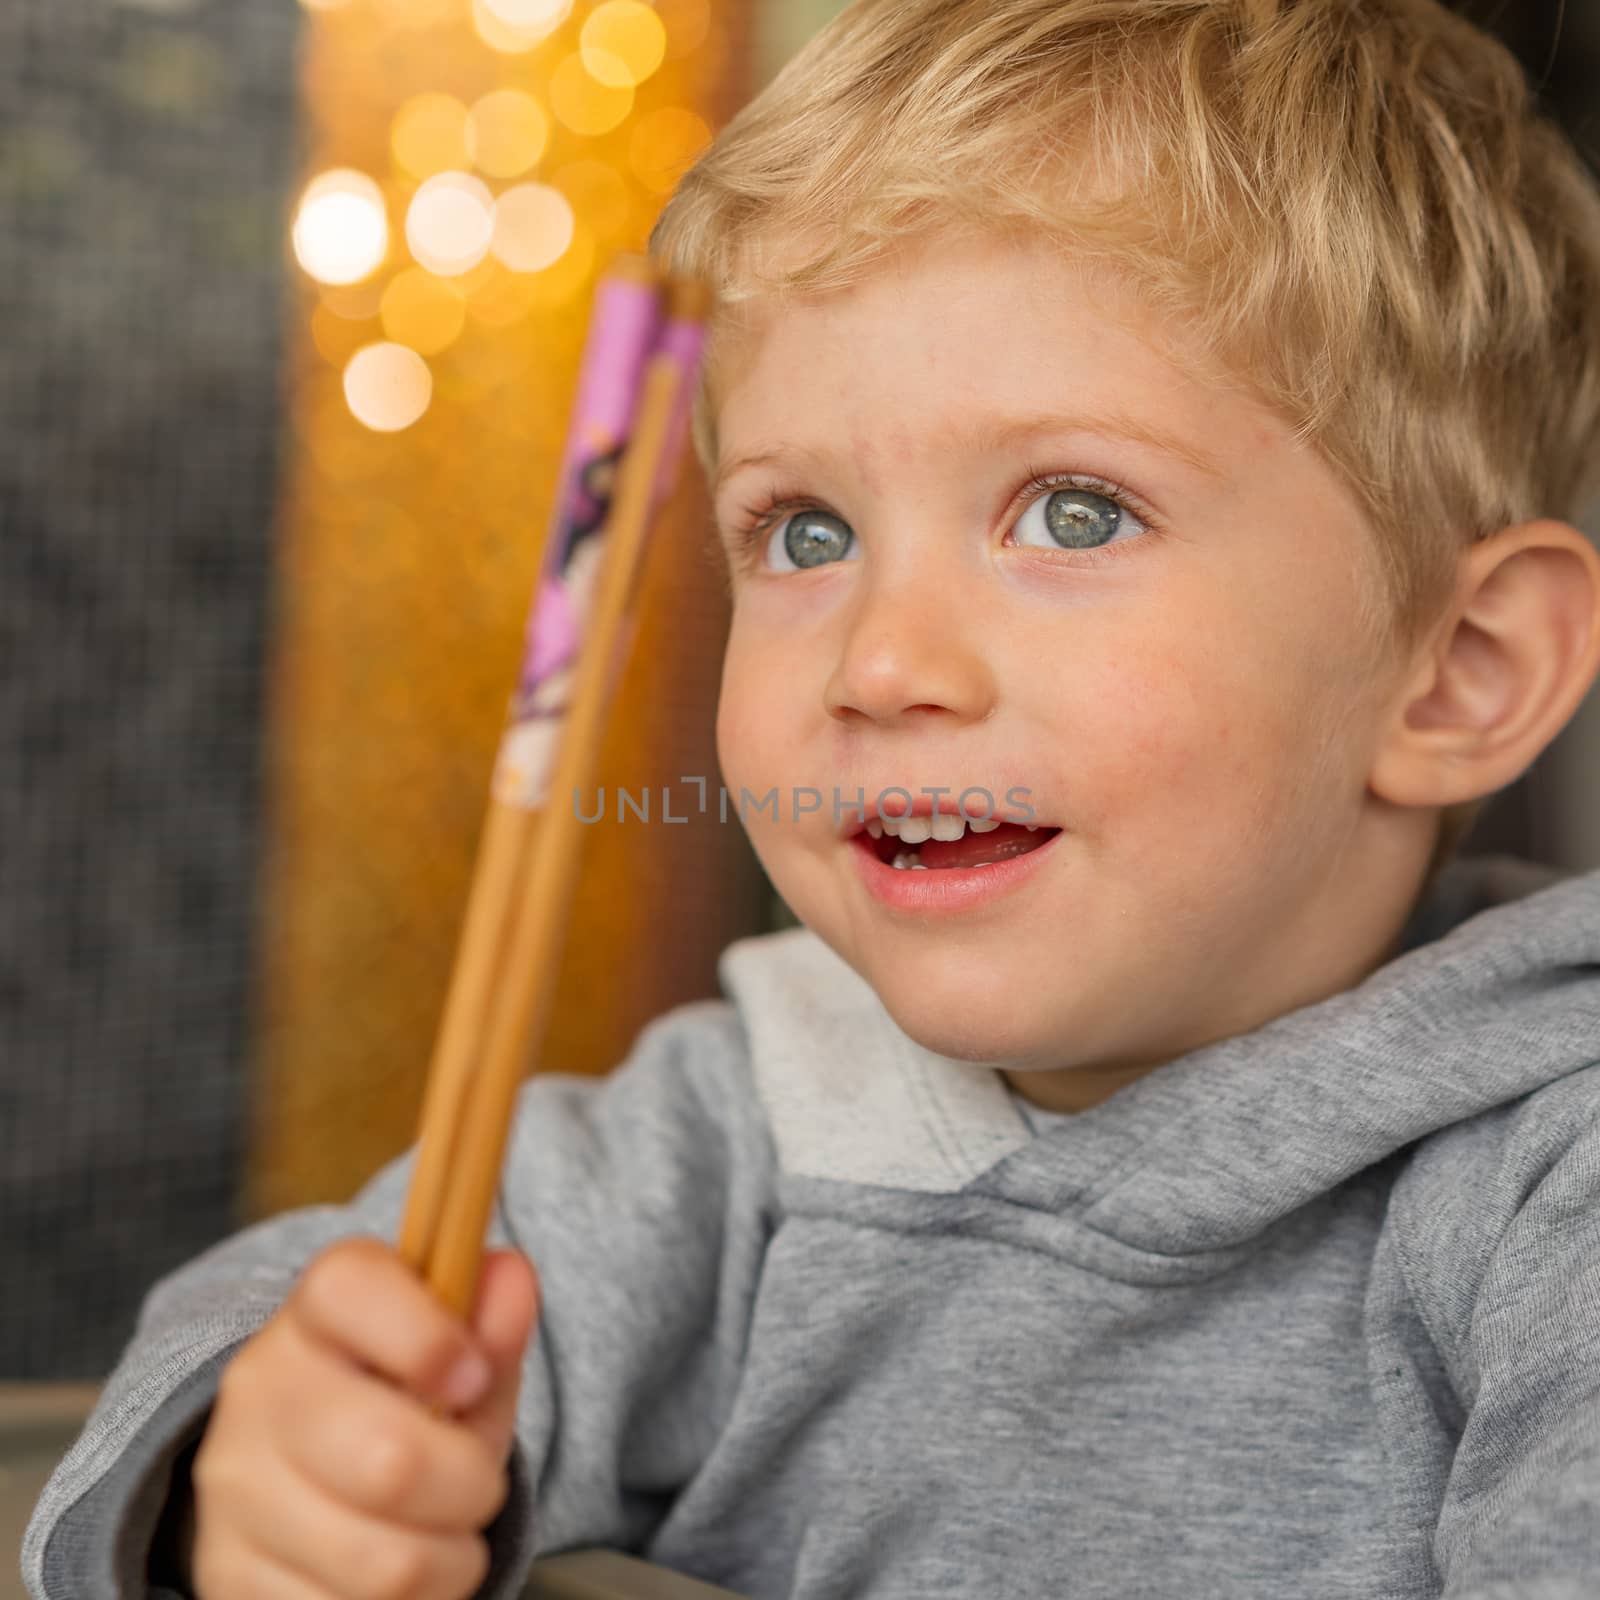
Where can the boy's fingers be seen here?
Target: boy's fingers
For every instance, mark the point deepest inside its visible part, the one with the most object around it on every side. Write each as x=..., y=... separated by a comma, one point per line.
x=257, y=1576
x=377, y=1450
x=503, y=1320
x=507, y=1303
x=363, y=1300
x=337, y=1550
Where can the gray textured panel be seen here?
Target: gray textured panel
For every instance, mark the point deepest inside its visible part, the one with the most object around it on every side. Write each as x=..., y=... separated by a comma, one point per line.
x=145, y=160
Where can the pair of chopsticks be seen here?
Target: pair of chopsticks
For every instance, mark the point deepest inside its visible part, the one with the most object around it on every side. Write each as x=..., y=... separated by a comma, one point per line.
x=634, y=394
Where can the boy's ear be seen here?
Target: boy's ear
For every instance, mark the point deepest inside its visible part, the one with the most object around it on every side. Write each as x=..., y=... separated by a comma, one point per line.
x=1502, y=673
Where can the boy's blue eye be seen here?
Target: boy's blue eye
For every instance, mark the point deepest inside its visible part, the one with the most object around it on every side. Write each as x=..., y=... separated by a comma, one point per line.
x=1074, y=519
x=809, y=538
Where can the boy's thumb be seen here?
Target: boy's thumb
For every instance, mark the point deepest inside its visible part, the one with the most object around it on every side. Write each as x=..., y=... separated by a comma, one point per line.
x=502, y=1320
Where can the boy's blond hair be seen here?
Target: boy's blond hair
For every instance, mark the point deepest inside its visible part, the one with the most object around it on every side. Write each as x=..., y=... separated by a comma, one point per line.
x=1352, y=205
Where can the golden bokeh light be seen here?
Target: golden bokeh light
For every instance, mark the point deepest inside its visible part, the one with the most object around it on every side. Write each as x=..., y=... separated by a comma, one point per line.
x=664, y=145
x=686, y=22
x=387, y=387
x=324, y=5
x=423, y=311
x=622, y=43
x=582, y=103
x=515, y=26
x=507, y=132
x=599, y=194
x=341, y=230
x=429, y=135
x=450, y=222
x=533, y=226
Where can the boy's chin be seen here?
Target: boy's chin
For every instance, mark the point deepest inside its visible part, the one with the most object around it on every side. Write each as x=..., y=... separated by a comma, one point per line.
x=968, y=1005
x=990, y=1030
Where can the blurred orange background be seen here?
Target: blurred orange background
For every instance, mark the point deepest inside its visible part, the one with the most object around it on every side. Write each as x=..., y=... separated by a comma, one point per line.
x=470, y=167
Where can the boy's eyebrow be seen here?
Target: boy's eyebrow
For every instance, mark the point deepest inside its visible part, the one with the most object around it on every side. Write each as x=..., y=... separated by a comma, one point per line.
x=1005, y=432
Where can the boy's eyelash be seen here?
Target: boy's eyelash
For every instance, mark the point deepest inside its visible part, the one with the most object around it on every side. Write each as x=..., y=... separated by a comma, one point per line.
x=755, y=521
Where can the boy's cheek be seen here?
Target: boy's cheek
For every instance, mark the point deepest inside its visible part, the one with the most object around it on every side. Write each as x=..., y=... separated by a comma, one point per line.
x=1178, y=775
x=738, y=735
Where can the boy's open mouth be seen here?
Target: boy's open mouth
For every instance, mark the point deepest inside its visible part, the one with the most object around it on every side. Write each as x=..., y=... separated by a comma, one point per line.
x=1000, y=842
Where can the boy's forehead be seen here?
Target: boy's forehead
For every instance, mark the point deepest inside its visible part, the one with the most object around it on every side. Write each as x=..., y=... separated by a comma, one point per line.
x=957, y=278
x=948, y=303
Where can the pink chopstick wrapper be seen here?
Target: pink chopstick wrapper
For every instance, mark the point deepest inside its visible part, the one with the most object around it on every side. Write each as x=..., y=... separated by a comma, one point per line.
x=684, y=340
x=626, y=331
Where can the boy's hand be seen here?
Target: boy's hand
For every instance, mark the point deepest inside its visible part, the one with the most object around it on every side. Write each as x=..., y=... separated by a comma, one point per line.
x=325, y=1470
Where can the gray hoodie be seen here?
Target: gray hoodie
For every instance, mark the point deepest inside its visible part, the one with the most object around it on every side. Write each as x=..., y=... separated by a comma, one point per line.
x=1311, y=1313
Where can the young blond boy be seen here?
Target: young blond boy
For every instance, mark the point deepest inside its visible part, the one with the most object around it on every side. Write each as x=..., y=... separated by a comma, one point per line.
x=1153, y=415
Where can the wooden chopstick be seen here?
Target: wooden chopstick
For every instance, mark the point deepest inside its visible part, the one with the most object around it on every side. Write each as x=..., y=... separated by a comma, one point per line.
x=500, y=867
x=527, y=874
x=496, y=880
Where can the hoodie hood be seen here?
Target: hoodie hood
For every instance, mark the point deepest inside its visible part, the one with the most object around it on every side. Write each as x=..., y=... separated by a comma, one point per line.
x=1494, y=995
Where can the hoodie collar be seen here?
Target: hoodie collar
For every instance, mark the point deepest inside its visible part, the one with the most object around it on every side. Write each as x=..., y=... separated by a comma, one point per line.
x=1496, y=992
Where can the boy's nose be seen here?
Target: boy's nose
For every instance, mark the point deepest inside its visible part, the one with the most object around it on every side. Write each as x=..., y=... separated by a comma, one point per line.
x=905, y=656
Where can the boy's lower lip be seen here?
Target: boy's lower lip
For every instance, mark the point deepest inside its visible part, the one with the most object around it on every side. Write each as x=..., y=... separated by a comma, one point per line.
x=944, y=889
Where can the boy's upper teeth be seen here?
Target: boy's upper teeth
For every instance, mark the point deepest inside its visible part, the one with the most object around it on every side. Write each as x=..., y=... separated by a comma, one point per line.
x=918, y=830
